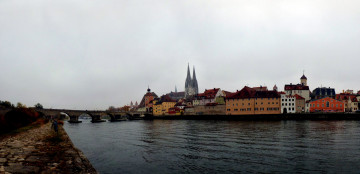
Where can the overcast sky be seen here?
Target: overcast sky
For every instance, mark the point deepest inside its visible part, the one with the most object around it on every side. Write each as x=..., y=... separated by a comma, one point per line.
x=92, y=54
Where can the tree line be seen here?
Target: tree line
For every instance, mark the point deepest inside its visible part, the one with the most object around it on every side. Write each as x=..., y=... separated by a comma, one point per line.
x=9, y=105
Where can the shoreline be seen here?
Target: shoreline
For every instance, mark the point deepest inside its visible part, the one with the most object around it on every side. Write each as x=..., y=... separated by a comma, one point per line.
x=41, y=150
x=268, y=117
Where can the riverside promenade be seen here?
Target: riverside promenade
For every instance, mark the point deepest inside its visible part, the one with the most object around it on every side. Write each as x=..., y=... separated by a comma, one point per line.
x=40, y=150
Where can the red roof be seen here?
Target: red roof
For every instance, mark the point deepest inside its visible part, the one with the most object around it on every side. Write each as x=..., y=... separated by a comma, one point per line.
x=296, y=87
x=343, y=96
x=298, y=97
x=166, y=98
x=248, y=92
x=282, y=92
x=209, y=93
x=227, y=93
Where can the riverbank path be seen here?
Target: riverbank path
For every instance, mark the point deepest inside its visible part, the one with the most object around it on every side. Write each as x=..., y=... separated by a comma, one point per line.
x=41, y=150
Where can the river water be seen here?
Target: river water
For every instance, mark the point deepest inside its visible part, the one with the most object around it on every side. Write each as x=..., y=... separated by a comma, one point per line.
x=199, y=146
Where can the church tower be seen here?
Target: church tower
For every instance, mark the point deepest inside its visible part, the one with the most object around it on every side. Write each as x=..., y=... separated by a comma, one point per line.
x=303, y=80
x=191, y=84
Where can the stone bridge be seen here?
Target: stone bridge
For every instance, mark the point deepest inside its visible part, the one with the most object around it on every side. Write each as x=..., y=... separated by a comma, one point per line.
x=95, y=115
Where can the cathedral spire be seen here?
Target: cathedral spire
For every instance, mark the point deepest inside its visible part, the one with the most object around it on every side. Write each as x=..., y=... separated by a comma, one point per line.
x=188, y=77
x=194, y=82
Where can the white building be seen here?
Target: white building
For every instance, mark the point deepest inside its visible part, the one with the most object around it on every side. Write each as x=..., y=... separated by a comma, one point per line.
x=300, y=89
x=287, y=103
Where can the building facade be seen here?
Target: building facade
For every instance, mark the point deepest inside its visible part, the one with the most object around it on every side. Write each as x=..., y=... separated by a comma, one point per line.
x=248, y=101
x=350, y=101
x=326, y=104
x=161, y=106
x=288, y=103
x=300, y=104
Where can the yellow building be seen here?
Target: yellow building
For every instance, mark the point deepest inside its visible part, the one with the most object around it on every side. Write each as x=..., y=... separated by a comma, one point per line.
x=249, y=101
x=162, y=106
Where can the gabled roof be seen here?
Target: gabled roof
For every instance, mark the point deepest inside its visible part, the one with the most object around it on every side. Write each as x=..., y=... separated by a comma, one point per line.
x=227, y=93
x=343, y=96
x=166, y=98
x=248, y=92
x=209, y=93
x=298, y=97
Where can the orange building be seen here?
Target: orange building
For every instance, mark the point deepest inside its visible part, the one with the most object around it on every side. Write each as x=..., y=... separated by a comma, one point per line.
x=146, y=101
x=326, y=104
x=250, y=101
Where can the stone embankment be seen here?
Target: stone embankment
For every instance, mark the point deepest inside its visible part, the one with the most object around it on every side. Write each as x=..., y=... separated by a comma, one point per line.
x=41, y=150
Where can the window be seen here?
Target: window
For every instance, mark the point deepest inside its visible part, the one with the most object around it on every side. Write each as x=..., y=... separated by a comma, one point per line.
x=285, y=99
x=317, y=105
x=256, y=109
x=235, y=109
x=248, y=104
x=337, y=105
x=327, y=104
x=340, y=105
x=248, y=109
x=236, y=104
x=332, y=105
x=322, y=105
x=282, y=99
x=272, y=102
x=282, y=104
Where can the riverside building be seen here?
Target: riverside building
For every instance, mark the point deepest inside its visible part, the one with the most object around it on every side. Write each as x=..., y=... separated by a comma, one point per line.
x=249, y=101
x=326, y=104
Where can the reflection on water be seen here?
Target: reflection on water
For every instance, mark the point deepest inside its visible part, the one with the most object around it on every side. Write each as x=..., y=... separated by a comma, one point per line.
x=193, y=146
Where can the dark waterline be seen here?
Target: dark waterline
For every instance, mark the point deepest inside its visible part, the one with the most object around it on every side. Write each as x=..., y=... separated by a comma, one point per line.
x=199, y=146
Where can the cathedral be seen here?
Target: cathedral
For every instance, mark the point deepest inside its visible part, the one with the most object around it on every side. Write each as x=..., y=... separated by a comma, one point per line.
x=191, y=84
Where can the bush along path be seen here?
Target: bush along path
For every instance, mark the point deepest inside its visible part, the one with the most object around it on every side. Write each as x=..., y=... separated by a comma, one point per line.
x=41, y=150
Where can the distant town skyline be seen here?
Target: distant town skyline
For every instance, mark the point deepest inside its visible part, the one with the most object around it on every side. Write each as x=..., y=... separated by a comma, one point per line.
x=92, y=55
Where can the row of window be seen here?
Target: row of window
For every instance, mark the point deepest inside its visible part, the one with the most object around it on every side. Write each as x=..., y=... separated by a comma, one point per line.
x=327, y=105
x=249, y=99
x=287, y=99
x=255, y=103
x=255, y=109
x=290, y=104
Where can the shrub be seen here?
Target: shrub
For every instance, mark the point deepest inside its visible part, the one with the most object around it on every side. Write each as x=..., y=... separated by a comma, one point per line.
x=17, y=118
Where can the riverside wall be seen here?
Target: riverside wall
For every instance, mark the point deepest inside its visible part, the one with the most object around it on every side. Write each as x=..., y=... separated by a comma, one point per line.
x=41, y=150
x=266, y=117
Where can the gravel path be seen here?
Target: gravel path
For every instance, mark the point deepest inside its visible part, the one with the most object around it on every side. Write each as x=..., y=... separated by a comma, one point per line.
x=40, y=150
